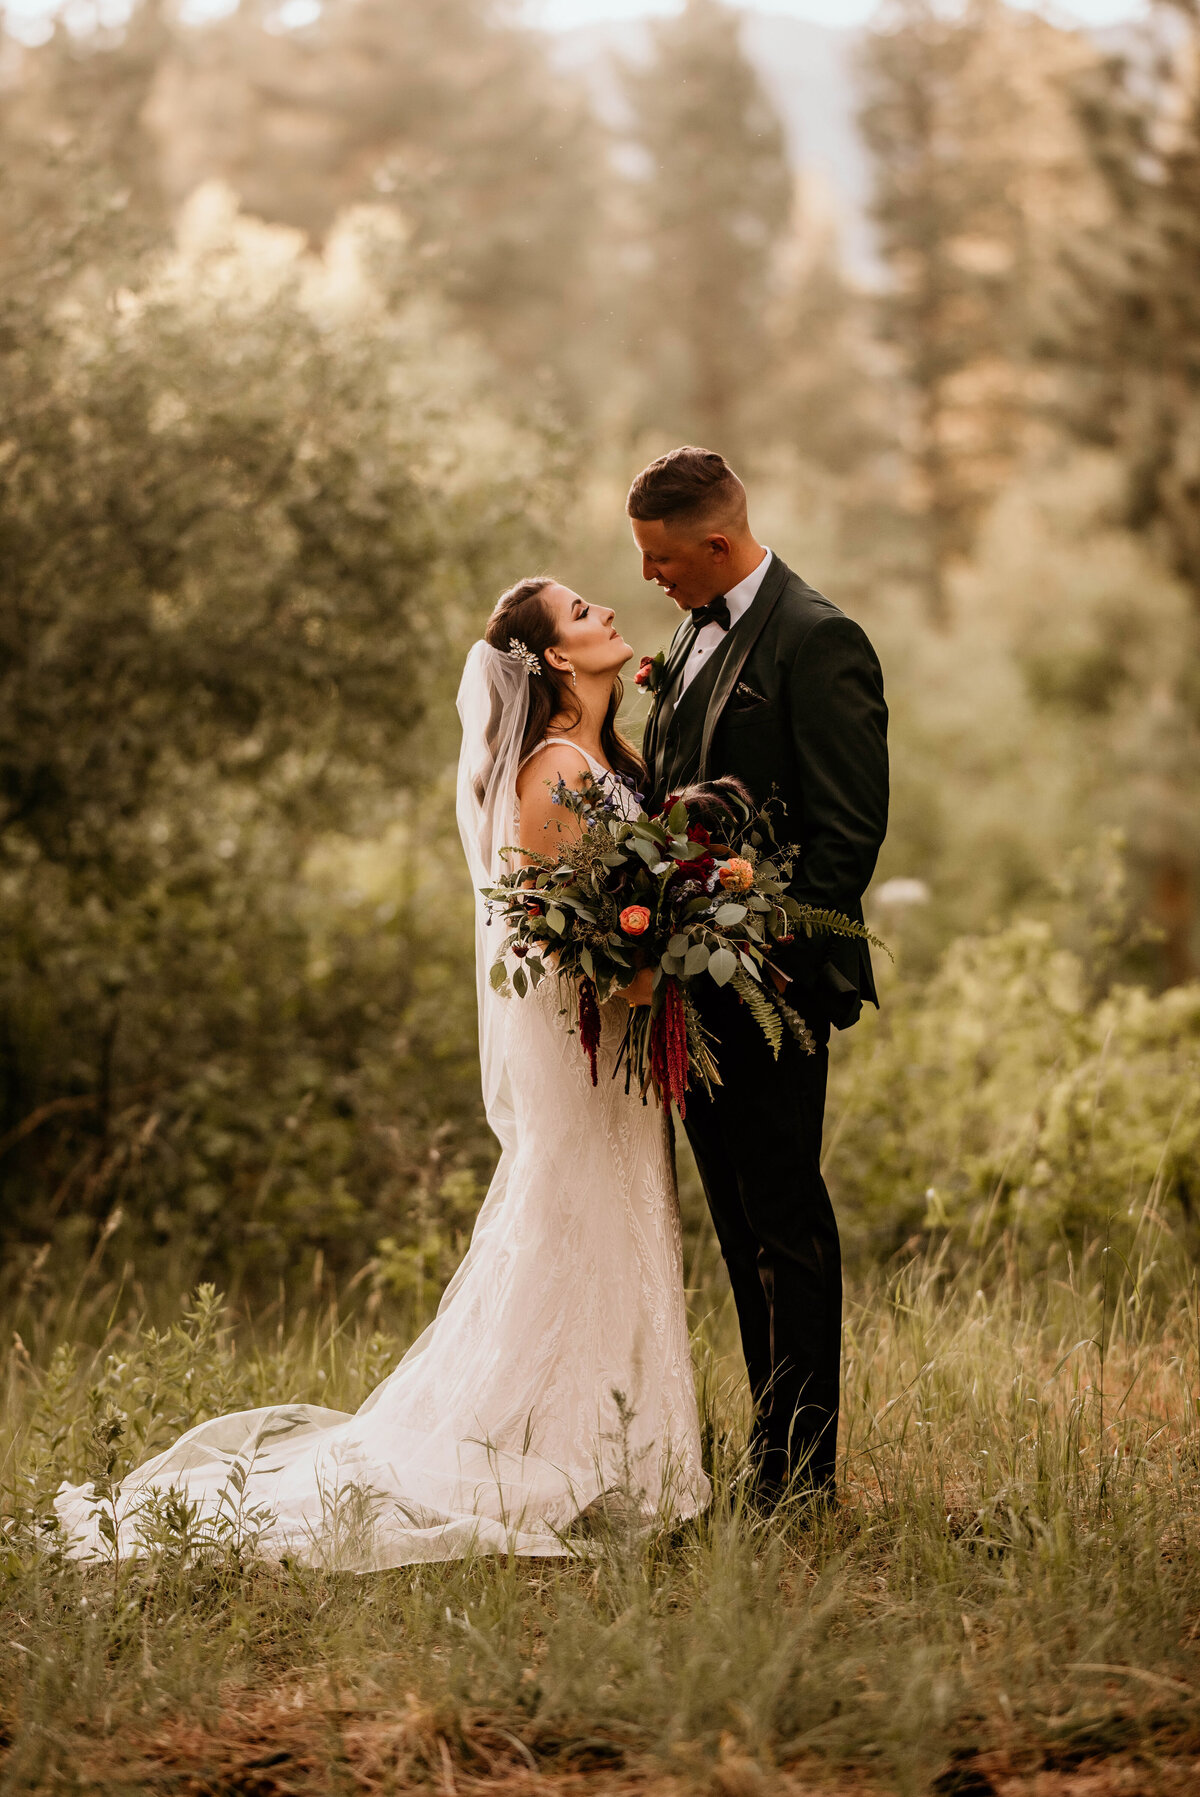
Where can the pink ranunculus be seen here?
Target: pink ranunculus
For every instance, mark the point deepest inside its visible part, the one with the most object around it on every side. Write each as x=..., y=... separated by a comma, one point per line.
x=635, y=920
x=642, y=677
x=736, y=875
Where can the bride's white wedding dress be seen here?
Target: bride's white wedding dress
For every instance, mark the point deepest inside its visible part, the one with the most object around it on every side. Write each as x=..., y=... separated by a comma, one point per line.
x=557, y=1367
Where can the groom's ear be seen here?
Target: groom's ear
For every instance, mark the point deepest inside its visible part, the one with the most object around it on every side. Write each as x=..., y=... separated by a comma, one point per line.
x=718, y=546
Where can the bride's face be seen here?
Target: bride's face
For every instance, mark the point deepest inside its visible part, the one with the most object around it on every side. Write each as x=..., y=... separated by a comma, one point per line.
x=586, y=636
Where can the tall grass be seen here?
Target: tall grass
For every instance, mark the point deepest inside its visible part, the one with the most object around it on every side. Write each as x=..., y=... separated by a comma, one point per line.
x=1011, y=1581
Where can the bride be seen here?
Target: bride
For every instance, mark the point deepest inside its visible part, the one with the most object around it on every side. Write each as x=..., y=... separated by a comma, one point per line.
x=557, y=1368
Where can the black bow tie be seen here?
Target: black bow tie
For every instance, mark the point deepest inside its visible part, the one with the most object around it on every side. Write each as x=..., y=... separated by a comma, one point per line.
x=715, y=612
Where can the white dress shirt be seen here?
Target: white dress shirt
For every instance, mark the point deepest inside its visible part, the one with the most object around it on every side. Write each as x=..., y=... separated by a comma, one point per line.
x=711, y=636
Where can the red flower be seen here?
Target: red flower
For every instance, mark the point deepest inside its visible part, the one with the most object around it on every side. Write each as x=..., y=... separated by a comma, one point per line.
x=589, y=1023
x=668, y=1047
x=642, y=677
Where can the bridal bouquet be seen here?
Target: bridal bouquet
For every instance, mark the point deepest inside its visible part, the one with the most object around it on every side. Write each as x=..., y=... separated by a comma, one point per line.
x=658, y=892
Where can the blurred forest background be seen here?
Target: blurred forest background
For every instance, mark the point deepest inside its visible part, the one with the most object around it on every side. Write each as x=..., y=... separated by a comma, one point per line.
x=319, y=324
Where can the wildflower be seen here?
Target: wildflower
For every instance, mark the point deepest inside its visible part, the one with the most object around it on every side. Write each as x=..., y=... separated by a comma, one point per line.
x=736, y=875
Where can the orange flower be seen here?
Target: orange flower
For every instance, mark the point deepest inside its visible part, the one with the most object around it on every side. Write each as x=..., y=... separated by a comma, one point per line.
x=736, y=875
x=635, y=920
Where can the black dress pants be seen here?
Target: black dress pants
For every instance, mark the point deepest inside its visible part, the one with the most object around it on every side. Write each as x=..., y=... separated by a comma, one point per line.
x=757, y=1143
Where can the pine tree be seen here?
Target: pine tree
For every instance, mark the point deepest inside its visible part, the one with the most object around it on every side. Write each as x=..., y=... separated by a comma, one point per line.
x=1131, y=351
x=976, y=174
x=1134, y=345
x=712, y=204
x=87, y=100
x=445, y=108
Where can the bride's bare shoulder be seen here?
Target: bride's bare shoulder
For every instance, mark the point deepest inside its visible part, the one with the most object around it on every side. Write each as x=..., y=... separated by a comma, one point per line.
x=552, y=762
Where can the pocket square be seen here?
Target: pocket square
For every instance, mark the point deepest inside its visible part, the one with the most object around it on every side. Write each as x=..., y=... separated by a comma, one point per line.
x=744, y=697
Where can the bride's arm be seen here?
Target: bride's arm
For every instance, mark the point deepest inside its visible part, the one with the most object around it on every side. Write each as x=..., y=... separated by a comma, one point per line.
x=543, y=823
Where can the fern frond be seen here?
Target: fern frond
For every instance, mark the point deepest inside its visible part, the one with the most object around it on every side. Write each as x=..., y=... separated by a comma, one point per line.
x=795, y=1023
x=816, y=922
x=760, y=1008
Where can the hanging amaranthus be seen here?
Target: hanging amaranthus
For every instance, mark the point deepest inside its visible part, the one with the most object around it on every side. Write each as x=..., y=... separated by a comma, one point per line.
x=589, y=1022
x=669, y=1047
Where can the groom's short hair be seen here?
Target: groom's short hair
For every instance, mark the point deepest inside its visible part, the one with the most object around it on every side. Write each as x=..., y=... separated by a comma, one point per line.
x=688, y=486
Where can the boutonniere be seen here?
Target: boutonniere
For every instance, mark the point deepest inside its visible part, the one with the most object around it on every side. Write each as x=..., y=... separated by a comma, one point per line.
x=650, y=672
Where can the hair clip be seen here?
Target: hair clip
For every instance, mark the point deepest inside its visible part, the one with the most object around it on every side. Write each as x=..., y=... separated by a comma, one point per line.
x=519, y=653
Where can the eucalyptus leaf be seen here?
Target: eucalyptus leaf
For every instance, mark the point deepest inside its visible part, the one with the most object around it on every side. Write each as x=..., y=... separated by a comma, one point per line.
x=556, y=920
x=696, y=960
x=520, y=983
x=722, y=965
x=729, y=914
x=496, y=975
x=679, y=945
x=677, y=818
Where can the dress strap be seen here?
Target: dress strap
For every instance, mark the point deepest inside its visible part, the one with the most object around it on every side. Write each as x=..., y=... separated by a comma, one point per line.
x=566, y=743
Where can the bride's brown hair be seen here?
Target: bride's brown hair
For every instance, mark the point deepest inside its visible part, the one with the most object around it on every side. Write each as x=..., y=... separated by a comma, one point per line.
x=523, y=613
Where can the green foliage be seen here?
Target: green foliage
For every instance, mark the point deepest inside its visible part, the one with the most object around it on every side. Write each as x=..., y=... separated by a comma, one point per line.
x=254, y=496
x=247, y=507
x=1004, y=1093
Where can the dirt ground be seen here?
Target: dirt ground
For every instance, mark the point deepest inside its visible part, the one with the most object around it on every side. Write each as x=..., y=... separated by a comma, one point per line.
x=296, y=1747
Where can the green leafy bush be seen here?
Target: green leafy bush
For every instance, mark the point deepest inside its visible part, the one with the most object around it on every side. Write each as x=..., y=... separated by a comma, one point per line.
x=1004, y=1092
x=250, y=507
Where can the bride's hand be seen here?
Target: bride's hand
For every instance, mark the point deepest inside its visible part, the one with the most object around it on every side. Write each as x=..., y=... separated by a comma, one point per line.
x=640, y=987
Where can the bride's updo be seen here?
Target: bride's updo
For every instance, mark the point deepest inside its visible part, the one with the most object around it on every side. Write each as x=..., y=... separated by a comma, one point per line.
x=523, y=613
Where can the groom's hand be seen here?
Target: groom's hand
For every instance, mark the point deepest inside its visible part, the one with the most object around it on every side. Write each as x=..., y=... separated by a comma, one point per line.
x=640, y=988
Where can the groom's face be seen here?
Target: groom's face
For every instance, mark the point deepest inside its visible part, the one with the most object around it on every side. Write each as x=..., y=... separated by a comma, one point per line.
x=688, y=562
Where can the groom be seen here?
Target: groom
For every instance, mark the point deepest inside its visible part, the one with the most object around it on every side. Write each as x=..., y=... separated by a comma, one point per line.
x=768, y=680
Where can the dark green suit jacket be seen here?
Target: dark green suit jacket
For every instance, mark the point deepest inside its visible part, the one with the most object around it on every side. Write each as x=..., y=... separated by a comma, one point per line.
x=792, y=704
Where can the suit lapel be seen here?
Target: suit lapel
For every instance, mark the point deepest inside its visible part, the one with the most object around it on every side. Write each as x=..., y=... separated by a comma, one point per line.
x=664, y=700
x=679, y=738
x=740, y=641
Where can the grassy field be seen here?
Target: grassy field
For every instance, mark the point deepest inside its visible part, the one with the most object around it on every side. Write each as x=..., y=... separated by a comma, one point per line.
x=1007, y=1599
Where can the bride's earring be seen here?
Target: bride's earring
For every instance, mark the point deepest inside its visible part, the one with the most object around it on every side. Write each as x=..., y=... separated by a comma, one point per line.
x=572, y=674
